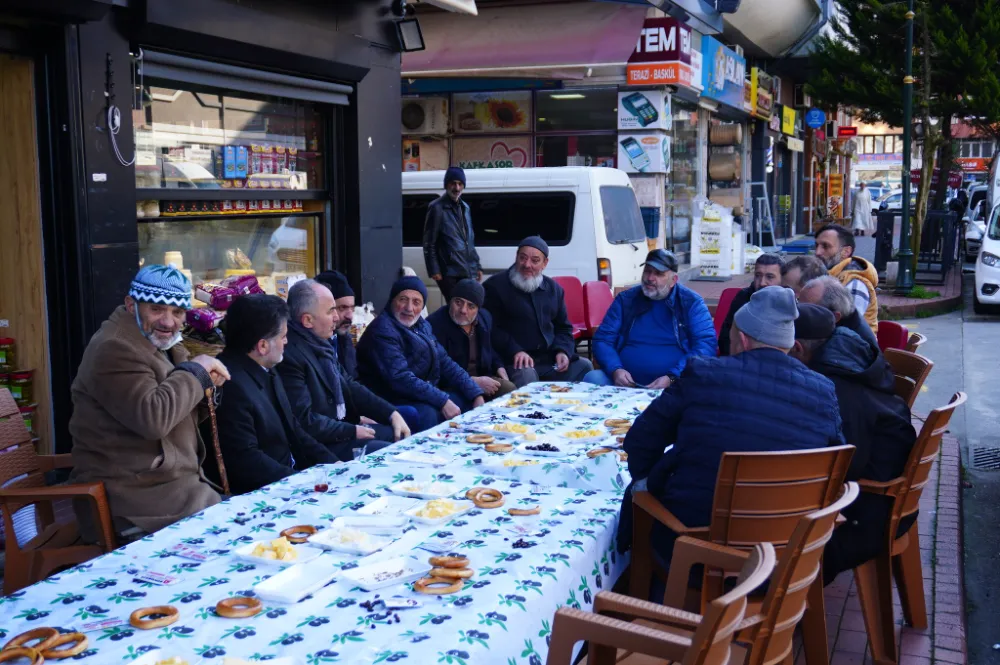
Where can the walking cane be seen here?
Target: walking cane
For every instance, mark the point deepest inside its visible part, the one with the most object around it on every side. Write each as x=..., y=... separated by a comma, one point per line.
x=210, y=395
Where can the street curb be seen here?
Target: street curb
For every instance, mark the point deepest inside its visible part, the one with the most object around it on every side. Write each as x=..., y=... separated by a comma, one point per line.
x=931, y=307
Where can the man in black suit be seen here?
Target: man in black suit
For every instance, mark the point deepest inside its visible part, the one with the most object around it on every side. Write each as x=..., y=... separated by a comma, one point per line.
x=261, y=440
x=327, y=402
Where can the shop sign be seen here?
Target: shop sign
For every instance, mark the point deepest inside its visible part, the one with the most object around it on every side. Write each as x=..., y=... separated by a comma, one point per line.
x=761, y=93
x=815, y=118
x=697, y=71
x=954, y=178
x=835, y=194
x=492, y=112
x=506, y=153
x=787, y=120
x=662, y=54
x=747, y=98
x=887, y=159
x=774, y=124
x=796, y=145
x=846, y=132
x=644, y=110
x=644, y=153
x=973, y=164
x=724, y=74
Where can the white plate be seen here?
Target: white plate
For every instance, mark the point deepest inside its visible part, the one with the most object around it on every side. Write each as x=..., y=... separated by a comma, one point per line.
x=389, y=505
x=520, y=416
x=423, y=490
x=293, y=584
x=590, y=439
x=587, y=411
x=369, y=543
x=450, y=435
x=564, y=450
x=305, y=554
x=462, y=506
x=379, y=525
x=417, y=457
x=400, y=570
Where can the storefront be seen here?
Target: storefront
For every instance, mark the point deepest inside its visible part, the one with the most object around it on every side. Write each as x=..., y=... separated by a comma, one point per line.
x=263, y=145
x=724, y=79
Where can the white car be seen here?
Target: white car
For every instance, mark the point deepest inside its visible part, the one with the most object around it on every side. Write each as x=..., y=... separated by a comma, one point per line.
x=975, y=222
x=987, y=293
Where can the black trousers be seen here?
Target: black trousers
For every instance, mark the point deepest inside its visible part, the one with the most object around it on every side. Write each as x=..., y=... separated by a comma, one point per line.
x=446, y=284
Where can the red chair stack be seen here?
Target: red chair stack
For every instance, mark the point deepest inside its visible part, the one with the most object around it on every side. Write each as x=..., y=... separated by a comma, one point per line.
x=573, y=295
x=891, y=335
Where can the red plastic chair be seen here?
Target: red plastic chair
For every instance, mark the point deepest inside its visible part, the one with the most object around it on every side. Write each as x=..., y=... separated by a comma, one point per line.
x=597, y=298
x=722, y=309
x=574, y=303
x=891, y=335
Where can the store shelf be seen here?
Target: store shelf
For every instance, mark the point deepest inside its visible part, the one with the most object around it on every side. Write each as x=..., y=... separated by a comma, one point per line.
x=232, y=194
x=199, y=218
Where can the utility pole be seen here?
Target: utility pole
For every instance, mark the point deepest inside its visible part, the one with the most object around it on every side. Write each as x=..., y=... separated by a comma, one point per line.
x=904, y=279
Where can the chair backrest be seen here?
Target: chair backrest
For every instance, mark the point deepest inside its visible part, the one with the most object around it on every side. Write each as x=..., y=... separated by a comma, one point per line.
x=760, y=497
x=911, y=371
x=17, y=454
x=573, y=290
x=892, y=335
x=915, y=342
x=788, y=589
x=906, y=493
x=597, y=298
x=722, y=309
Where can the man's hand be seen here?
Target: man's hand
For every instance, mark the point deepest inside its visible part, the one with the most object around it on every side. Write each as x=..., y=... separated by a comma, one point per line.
x=489, y=385
x=562, y=362
x=450, y=410
x=215, y=369
x=623, y=378
x=479, y=401
x=362, y=432
x=502, y=373
x=436, y=277
x=522, y=360
x=661, y=383
x=479, y=275
x=365, y=420
x=400, y=430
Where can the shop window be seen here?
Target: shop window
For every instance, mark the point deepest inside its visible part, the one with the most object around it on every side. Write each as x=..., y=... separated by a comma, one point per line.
x=622, y=217
x=576, y=110
x=966, y=149
x=502, y=219
x=879, y=145
x=869, y=145
x=586, y=150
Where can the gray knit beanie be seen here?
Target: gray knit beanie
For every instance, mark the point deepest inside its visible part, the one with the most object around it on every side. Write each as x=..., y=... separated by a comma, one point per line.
x=769, y=317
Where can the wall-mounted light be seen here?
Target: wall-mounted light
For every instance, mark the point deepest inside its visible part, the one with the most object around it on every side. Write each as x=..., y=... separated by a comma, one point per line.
x=409, y=34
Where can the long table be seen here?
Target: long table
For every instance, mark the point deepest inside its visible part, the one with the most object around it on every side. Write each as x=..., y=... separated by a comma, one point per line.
x=565, y=556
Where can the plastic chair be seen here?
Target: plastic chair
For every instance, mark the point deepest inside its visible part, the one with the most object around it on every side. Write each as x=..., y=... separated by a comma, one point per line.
x=911, y=371
x=891, y=335
x=759, y=497
x=915, y=342
x=709, y=643
x=597, y=299
x=901, y=557
x=573, y=295
x=55, y=546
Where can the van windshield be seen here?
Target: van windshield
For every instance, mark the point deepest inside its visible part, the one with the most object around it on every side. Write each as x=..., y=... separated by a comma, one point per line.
x=622, y=217
x=502, y=219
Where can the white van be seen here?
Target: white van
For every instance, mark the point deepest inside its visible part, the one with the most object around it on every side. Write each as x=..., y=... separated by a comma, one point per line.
x=589, y=217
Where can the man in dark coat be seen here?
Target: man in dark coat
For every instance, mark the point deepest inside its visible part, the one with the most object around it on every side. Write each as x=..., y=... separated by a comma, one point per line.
x=530, y=325
x=449, y=242
x=766, y=272
x=343, y=296
x=828, y=292
x=327, y=402
x=875, y=421
x=260, y=438
x=464, y=328
x=756, y=400
x=399, y=357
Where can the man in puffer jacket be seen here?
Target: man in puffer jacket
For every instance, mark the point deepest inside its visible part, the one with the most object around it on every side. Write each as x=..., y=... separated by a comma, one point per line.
x=400, y=360
x=756, y=400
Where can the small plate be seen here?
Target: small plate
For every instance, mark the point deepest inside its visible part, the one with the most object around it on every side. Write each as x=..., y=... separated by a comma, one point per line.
x=451, y=435
x=462, y=507
x=587, y=411
x=378, y=525
x=389, y=505
x=589, y=439
x=417, y=457
x=305, y=554
x=293, y=584
x=423, y=490
x=368, y=543
x=563, y=451
x=521, y=416
x=400, y=570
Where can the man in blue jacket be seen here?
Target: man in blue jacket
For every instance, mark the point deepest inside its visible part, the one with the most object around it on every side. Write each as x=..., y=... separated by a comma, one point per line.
x=756, y=400
x=401, y=360
x=651, y=330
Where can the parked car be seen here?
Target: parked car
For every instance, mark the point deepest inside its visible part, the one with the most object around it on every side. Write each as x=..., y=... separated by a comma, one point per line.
x=894, y=200
x=986, y=297
x=975, y=222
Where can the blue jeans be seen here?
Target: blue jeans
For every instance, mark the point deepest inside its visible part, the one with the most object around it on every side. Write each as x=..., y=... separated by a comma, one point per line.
x=410, y=416
x=419, y=417
x=597, y=377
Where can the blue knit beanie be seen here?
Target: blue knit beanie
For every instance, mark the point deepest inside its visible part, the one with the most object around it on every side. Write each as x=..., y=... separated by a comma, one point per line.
x=408, y=284
x=162, y=285
x=454, y=173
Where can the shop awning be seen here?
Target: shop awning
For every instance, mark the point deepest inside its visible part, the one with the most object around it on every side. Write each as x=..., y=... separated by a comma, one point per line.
x=545, y=41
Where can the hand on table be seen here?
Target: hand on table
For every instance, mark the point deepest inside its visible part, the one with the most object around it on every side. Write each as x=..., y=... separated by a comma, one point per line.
x=489, y=385
x=562, y=362
x=450, y=410
x=661, y=383
x=623, y=378
x=522, y=360
x=362, y=432
x=400, y=430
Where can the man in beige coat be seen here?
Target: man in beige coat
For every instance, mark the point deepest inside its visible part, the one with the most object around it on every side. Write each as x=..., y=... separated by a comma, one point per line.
x=135, y=410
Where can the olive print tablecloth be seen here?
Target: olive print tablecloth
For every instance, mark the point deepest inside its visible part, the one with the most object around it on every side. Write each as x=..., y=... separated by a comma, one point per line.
x=525, y=567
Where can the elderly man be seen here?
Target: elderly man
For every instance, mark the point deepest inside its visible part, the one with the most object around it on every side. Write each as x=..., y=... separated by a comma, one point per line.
x=531, y=326
x=399, y=357
x=756, y=400
x=135, y=411
x=464, y=328
x=876, y=422
x=261, y=439
x=799, y=270
x=835, y=248
x=327, y=402
x=651, y=330
x=830, y=293
x=766, y=272
x=449, y=243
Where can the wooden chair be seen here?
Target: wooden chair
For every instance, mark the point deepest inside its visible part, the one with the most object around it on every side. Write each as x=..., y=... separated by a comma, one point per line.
x=915, y=342
x=708, y=644
x=573, y=295
x=759, y=497
x=900, y=558
x=22, y=484
x=911, y=371
x=892, y=335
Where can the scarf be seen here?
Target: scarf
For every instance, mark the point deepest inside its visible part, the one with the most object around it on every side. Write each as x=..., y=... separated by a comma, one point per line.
x=326, y=354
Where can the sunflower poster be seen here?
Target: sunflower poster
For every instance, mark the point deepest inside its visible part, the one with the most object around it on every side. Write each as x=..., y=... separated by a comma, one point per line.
x=492, y=112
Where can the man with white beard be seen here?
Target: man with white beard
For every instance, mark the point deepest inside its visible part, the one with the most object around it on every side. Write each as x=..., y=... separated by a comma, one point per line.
x=530, y=326
x=651, y=330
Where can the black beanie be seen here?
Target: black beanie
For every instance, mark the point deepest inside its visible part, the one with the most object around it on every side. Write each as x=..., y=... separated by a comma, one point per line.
x=336, y=282
x=408, y=284
x=471, y=290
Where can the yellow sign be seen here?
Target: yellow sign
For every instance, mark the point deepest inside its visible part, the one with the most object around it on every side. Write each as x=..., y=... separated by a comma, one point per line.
x=761, y=93
x=836, y=187
x=787, y=120
x=835, y=194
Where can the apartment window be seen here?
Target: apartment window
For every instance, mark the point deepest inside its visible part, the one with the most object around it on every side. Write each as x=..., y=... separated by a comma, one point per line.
x=879, y=145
